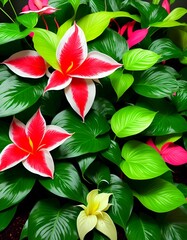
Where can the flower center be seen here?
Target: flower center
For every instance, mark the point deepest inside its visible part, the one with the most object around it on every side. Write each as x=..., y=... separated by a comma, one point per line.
x=31, y=143
x=70, y=67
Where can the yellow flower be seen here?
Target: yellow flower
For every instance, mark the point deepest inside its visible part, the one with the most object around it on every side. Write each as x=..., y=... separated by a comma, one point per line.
x=94, y=216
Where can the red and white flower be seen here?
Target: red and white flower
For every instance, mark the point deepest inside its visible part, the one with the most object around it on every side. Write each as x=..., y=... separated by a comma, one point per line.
x=31, y=145
x=77, y=68
x=38, y=6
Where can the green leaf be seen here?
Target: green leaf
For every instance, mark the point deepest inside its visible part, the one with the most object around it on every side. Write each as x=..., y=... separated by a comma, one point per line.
x=85, y=161
x=48, y=220
x=98, y=172
x=166, y=121
x=66, y=182
x=4, y=2
x=139, y=59
x=89, y=136
x=166, y=49
x=75, y=4
x=10, y=32
x=45, y=43
x=113, y=153
x=6, y=216
x=4, y=135
x=155, y=82
x=131, y=120
x=106, y=43
x=64, y=27
x=180, y=98
x=17, y=94
x=142, y=227
x=15, y=184
x=103, y=107
x=158, y=195
x=28, y=20
x=174, y=225
x=176, y=14
x=98, y=236
x=121, y=81
x=160, y=141
x=122, y=201
x=24, y=232
x=94, y=24
x=167, y=24
x=141, y=161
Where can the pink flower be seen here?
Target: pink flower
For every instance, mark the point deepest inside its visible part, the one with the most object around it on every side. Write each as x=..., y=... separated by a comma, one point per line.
x=133, y=37
x=166, y=5
x=31, y=145
x=171, y=153
x=38, y=6
x=27, y=63
x=77, y=68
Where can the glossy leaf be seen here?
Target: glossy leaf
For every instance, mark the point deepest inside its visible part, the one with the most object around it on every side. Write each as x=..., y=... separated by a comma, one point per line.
x=99, y=236
x=131, y=120
x=141, y=161
x=89, y=136
x=48, y=220
x=4, y=135
x=121, y=81
x=113, y=153
x=75, y=4
x=155, y=82
x=15, y=185
x=28, y=20
x=16, y=94
x=159, y=195
x=174, y=225
x=85, y=161
x=106, y=44
x=180, y=99
x=103, y=106
x=66, y=182
x=6, y=216
x=94, y=24
x=139, y=59
x=167, y=24
x=176, y=14
x=24, y=232
x=142, y=227
x=122, y=201
x=166, y=121
x=10, y=32
x=166, y=49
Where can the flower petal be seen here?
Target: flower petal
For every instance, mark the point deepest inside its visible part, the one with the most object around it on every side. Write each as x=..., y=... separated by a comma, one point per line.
x=54, y=137
x=85, y=224
x=72, y=49
x=80, y=94
x=103, y=199
x=137, y=36
x=166, y=5
x=151, y=144
x=18, y=135
x=57, y=81
x=106, y=226
x=174, y=154
x=27, y=63
x=97, y=65
x=11, y=156
x=40, y=163
x=44, y=10
x=35, y=130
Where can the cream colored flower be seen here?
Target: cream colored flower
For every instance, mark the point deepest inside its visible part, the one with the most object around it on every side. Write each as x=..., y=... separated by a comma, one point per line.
x=94, y=216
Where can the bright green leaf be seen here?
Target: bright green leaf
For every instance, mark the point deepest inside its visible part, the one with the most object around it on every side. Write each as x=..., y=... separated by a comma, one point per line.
x=131, y=120
x=167, y=24
x=141, y=161
x=75, y=4
x=139, y=59
x=121, y=81
x=94, y=24
x=66, y=182
x=15, y=94
x=63, y=28
x=48, y=220
x=28, y=20
x=158, y=195
x=89, y=136
x=176, y=14
x=15, y=185
x=142, y=227
x=45, y=43
x=160, y=141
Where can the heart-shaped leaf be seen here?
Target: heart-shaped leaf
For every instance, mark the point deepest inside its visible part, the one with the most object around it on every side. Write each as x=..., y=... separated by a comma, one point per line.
x=141, y=161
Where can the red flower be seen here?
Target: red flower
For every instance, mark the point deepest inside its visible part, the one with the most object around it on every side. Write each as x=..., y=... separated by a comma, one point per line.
x=171, y=153
x=31, y=145
x=166, y=5
x=38, y=6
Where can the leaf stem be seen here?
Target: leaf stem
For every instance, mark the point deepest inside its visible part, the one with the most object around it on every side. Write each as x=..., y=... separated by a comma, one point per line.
x=6, y=14
x=13, y=8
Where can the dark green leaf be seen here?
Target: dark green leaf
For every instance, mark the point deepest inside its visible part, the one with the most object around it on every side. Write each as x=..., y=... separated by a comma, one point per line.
x=122, y=201
x=180, y=98
x=106, y=43
x=4, y=135
x=15, y=184
x=142, y=227
x=156, y=82
x=24, y=232
x=89, y=136
x=85, y=161
x=17, y=94
x=103, y=107
x=48, y=220
x=6, y=216
x=66, y=182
